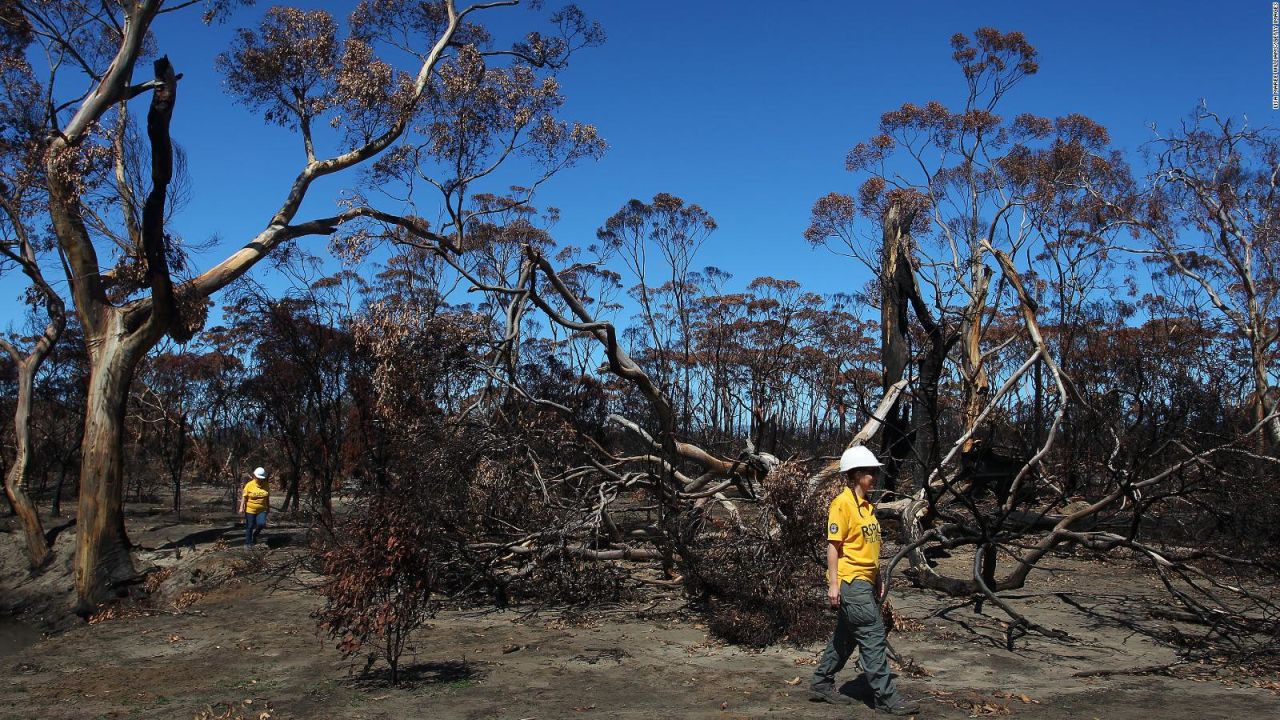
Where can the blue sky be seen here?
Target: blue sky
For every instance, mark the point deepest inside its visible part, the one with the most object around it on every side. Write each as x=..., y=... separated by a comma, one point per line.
x=748, y=107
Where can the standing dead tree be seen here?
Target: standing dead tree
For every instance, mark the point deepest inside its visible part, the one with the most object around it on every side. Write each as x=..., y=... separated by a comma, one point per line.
x=936, y=186
x=958, y=242
x=21, y=197
x=28, y=363
x=1211, y=216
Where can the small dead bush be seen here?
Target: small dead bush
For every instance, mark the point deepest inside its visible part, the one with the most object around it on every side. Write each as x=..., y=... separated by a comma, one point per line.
x=763, y=585
x=391, y=554
x=381, y=572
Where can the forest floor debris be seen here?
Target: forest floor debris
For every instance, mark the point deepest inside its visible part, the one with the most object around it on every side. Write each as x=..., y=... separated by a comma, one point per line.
x=229, y=635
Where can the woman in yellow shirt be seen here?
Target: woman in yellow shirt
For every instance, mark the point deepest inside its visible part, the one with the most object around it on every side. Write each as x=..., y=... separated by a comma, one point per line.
x=255, y=501
x=853, y=589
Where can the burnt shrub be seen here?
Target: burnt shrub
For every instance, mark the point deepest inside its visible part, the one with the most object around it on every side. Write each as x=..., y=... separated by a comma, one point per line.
x=1245, y=512
x=391, y=551
x=380, y=577
x=762, y=585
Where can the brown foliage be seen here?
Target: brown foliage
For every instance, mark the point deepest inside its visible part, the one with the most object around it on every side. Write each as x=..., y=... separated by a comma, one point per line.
x=286, y=69
x=382, y=566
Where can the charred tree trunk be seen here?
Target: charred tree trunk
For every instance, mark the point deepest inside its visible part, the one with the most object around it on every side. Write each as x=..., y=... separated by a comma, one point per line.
x=924, y=402
x=1266, y=402
x=15, y=482
x=900, y=288
x=895, y=352
x=292, y=492
x=55, y=507
x=179, y=464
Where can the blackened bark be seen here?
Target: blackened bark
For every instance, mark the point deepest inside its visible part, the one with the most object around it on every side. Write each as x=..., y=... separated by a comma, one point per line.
x=900, y=288
x=164, y=307
x=895, y=351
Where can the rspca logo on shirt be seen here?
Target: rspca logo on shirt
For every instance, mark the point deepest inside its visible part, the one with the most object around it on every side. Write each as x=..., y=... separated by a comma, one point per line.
x=833, y=529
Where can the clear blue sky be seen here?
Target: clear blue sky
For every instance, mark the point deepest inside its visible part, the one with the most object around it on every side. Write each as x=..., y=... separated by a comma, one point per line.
x=748, y=107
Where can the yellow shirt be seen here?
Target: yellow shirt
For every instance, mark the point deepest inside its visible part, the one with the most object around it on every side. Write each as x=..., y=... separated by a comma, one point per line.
x=255, y=497
x=852, y=522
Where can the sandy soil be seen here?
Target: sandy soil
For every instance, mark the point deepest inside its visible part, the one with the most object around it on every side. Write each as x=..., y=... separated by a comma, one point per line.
x=230, y=636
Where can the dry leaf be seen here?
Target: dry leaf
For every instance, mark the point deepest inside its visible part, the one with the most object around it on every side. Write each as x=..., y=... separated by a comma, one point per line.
x=794, y=681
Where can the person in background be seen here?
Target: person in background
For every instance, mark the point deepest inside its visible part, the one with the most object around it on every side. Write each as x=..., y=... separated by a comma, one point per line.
x=854, y=589
x=255, y=501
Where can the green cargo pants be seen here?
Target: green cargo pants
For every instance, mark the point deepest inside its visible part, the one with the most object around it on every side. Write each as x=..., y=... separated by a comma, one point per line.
x=858, y=624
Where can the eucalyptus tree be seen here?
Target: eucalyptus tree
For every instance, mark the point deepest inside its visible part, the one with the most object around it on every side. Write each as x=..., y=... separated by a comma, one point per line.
x=23, y=245
x=394, y=71
x=674, y=231
x=1213, y=221
x=932, y=181
x=960, y=203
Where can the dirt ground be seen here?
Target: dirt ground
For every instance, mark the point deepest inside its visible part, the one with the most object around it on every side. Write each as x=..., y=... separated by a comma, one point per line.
x=230, y=636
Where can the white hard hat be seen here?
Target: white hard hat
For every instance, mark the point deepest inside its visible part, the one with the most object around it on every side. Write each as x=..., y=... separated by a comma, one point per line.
x=260, y=473
x=858, y=456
